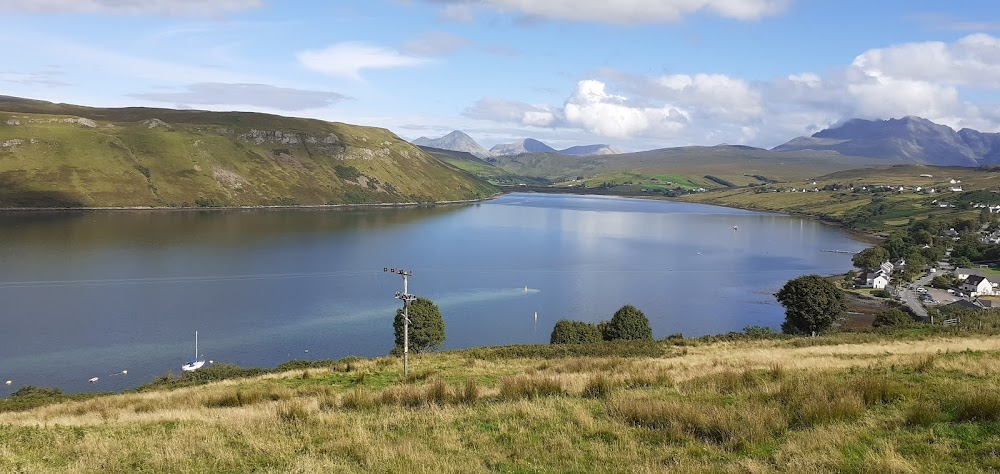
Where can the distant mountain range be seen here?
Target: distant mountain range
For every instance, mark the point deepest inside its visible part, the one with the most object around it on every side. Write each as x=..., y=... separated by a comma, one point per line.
x=459, y=141
x=455, y=141
x=906, y=140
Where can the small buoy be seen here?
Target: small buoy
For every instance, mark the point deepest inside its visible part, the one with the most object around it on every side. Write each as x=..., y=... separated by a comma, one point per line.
x=93, y=380
x=8, y=382
x=211, y=362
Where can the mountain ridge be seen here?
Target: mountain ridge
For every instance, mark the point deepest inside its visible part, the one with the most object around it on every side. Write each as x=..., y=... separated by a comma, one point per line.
x=64, y=155
x=455, y=141
x=909, y=139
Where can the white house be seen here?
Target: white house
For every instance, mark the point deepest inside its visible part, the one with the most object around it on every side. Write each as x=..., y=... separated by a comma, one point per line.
x=977, y=285
x=955, y=189
x=887, y=268
x=877, y=280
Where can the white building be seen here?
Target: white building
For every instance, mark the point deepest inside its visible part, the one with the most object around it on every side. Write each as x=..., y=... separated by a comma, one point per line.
x=976, y=285
x=877, y=280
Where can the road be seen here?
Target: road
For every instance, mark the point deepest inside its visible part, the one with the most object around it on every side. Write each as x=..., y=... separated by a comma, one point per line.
x=912, y=298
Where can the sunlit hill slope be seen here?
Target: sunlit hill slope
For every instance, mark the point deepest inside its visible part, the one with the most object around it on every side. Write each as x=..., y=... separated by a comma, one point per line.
x=58, y=155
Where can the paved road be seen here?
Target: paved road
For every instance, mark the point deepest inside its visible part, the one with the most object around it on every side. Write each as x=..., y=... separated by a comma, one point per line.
x=912, y=298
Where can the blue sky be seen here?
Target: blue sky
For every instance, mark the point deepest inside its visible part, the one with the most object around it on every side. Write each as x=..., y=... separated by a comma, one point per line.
x=637, y=74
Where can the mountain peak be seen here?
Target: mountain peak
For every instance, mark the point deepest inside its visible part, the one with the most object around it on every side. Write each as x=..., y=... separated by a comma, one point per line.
x=520, y=147
x=457, y=140
x=910, y=139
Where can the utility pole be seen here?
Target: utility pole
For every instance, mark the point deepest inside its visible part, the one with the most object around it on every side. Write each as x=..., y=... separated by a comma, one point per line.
x=407, y=299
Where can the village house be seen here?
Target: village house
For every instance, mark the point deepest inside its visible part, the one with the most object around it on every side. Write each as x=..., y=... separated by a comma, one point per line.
x=977, y=285
x=877, y=280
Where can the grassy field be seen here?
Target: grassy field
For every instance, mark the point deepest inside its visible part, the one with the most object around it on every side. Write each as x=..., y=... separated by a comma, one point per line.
x=843, y=204
x=847, y=403
x=69, y=156
x=738, y=165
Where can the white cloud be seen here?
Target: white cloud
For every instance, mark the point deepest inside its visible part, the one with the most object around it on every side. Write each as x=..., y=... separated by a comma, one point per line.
x=619, y=11
x=134, y=7
x=714, y=95
x=348, y=59
x=972, y=60
x=593, y=109
x=937, y=81
x=511, y=111
x=257, y=95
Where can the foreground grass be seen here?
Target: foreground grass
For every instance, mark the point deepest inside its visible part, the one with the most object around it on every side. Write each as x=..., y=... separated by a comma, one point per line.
x=788, y=405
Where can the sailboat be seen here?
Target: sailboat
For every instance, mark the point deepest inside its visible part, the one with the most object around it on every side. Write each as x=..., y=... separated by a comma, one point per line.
x=195, y=363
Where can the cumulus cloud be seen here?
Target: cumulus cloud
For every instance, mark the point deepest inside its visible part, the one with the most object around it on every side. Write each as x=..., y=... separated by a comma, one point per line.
x=599, y=112
x=934, y=80
x=135, y=7
x=972, y=60
x=435, y=43
x=348, y=59
x=257, y=95
x=618, y=12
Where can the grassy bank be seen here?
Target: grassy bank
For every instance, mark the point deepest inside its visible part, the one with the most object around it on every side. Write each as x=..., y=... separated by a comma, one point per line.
x=850, y=402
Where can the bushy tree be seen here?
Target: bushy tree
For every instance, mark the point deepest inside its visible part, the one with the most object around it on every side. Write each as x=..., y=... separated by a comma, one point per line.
x=812, y=304
x=574, y=332
x=426, y=327
x=870, y=258
x=892, y=317
x=628, y=323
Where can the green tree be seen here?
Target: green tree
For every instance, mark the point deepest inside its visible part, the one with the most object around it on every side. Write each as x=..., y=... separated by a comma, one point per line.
x=870, y=258
x=628, y=323
x=426, y=327
x=892, y=317
x=812, y=304
x=574, y=332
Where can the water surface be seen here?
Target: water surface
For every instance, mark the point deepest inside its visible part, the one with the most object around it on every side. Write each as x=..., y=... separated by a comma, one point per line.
x=87, y=294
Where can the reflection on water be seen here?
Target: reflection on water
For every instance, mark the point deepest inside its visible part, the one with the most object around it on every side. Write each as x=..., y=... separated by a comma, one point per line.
x=93, y=293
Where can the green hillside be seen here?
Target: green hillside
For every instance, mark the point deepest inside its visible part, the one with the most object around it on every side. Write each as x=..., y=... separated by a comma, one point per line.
x=689, y=166
x=482, y=169
x=56, y=155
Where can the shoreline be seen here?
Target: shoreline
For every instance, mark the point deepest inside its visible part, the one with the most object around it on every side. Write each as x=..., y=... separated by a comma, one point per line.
x=307, y=207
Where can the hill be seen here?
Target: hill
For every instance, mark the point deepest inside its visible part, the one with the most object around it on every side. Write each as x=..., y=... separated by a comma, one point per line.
x=873, y=200
x=587, y=150
x=738, y=165
x=455, y=141
x=482, y=169
x=906, y=140
x=59, y=155
x=840, y=403
x=528, y=145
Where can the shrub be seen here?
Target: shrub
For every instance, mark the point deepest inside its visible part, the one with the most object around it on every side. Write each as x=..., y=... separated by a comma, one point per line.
x=892, y=318
x=574, y=332
x=628, y=323
x=812, y=304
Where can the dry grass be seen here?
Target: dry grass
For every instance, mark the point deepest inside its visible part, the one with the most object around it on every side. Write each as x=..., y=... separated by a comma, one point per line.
x=760, y=406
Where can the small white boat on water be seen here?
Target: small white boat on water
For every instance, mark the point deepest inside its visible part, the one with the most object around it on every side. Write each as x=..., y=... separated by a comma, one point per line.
x=196, y=363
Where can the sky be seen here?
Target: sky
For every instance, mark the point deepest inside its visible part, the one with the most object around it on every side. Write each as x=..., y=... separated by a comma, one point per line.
x=636, y=74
